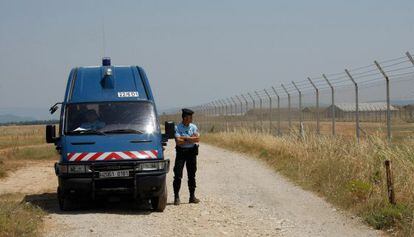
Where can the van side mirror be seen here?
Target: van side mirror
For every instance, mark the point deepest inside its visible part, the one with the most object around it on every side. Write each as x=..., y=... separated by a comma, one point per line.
x=51, y=134
x=169, y=129
x=54, y=107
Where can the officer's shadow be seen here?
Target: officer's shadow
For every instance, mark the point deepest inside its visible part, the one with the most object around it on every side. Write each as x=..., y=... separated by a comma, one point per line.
x=49, y=203
x=182, y=203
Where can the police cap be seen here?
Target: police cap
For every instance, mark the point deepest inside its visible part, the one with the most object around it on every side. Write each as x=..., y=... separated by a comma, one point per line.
x=187, y=112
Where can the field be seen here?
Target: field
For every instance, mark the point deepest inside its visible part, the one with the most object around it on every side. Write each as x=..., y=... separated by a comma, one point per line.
x=400, y=129
x=16, y=136
x=349, y=175
x=21, y=146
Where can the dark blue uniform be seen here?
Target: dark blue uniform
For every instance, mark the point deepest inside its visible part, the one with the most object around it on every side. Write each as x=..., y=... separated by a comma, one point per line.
x=186, y=154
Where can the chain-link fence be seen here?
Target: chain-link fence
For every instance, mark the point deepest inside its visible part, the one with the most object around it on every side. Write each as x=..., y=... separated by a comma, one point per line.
x=374, y=99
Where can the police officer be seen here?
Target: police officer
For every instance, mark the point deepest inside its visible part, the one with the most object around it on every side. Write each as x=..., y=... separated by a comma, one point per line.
x=186, y=139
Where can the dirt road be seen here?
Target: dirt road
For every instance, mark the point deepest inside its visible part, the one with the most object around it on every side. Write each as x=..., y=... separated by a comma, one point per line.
x=240, y=197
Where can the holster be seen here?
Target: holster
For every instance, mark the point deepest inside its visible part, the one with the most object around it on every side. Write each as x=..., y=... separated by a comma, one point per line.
x=196, y=149
x=193, y=151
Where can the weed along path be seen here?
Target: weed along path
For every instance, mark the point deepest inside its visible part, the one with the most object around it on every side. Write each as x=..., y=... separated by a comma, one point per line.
x=239, y=195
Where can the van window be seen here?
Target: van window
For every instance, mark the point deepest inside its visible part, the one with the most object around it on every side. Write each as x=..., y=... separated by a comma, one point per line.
x=110, y=117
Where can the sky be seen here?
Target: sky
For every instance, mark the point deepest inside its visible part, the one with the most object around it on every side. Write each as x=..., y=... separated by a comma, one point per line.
x=192, y=51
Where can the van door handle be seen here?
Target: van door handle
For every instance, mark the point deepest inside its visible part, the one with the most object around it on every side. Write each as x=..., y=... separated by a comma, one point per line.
x=82, y=143
x=140, y=141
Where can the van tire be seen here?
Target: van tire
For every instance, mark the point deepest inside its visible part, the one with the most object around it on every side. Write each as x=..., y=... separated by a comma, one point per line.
x=159, y=203
x=65, y=204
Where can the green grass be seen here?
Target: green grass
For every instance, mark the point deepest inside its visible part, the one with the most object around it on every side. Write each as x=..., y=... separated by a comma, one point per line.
x=348, y=175
x=389, y=216
x=19, y=218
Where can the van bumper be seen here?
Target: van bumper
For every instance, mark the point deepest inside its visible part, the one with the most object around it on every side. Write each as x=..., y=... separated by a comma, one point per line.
x=138, y=185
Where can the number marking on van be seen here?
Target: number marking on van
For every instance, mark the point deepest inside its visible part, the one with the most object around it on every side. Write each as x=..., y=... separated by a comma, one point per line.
x=128, y=94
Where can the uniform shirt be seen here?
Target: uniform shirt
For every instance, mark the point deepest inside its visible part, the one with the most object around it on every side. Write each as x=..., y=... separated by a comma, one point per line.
x=186, y=131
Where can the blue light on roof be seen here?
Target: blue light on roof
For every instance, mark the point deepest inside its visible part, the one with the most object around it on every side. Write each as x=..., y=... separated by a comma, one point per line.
x=106, y=61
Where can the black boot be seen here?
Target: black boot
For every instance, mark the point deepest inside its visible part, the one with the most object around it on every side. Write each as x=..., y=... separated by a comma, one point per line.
x=176, y=185
x=176, y=200
x=193, y=199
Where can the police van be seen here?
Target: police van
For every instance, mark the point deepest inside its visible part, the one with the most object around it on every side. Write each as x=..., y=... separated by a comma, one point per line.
x=109, y=138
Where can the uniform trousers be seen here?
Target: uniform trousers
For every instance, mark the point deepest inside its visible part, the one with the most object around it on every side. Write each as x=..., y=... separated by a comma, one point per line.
x=187, y=157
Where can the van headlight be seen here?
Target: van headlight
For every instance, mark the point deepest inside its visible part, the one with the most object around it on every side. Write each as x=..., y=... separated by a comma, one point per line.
x=74, y=169
x=151, y=166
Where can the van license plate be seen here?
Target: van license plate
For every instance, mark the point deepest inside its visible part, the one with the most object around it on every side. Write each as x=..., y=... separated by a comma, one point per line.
x=114, y=173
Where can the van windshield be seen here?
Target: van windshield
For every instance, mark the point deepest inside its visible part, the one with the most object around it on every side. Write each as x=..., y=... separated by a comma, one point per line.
x=110, y=117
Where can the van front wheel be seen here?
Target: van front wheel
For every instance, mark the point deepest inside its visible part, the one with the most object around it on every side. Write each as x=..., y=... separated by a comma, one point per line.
x=65, y=204
x=159, y=203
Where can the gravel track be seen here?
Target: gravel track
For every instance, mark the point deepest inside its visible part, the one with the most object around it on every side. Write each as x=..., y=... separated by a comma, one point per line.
x=33, y=178
x=239, y=195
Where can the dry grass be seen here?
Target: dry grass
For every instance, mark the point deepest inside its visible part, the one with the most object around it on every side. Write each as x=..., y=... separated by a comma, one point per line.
x=348, y=175
x=400, y=130
x=17, y=157
x=14, y=154
x=18, y=218
x=15, y=136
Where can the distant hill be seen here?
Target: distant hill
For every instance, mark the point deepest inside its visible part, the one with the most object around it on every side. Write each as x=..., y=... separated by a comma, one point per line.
x=10, y=118
x=32, y=113
x=402, y=102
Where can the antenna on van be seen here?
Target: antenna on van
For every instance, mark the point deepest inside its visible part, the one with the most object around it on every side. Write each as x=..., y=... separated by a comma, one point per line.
x=103, y=39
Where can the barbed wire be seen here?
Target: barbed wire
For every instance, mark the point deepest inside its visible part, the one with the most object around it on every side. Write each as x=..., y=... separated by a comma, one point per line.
x=364, y=76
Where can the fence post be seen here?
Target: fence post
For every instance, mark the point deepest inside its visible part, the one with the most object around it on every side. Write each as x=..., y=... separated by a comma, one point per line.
x=333, y=103
x=356, y=104
x=270, y=111
x=208, y=110
x=206, y=107
x=247, y=109
x=241, y=111
x=410, y=57
x=204, y=118
x=235, y=111
x=198, y=117
x=254, y=108
x=300, y=110
x=289, y=116
x=215, y=117
x=201, y=117
x=215, y=107
x=261, y=110
x=230, y=113
x=212, y=109
x=317, y=105
x=231, y=107
x=387, y=81
x=278, y=111
x=226, y=115
x=390, y=183
x=222, y=111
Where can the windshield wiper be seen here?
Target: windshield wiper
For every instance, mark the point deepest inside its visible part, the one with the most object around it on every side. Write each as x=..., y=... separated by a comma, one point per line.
x=125, y=131
x=90, y=131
